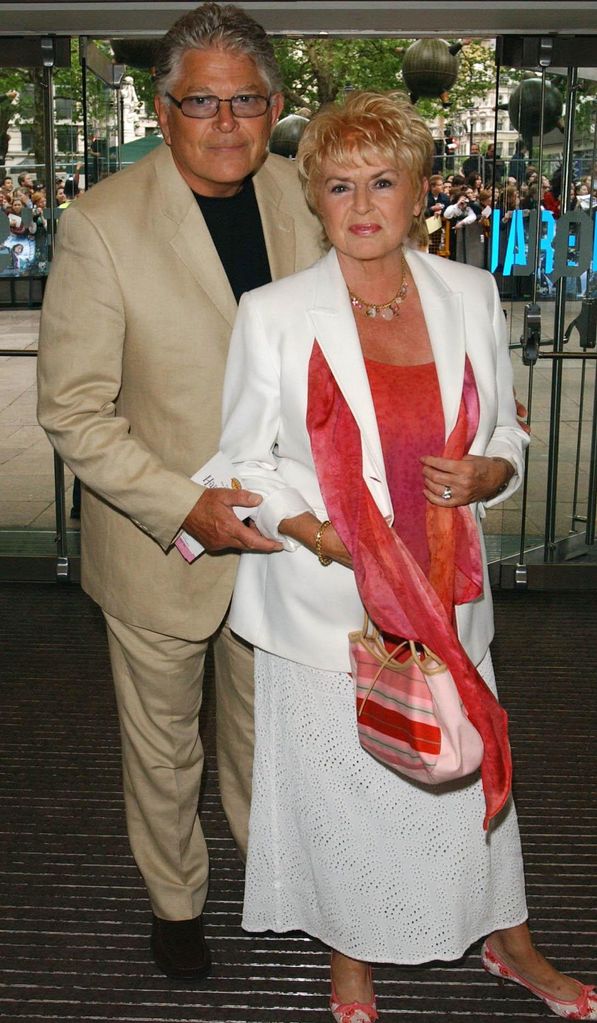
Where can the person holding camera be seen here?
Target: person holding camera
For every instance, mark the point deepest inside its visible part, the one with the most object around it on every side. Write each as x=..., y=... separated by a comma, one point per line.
x=458, y=214
x=460, y=210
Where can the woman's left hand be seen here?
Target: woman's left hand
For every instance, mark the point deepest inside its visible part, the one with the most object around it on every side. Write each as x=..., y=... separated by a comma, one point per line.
x=452, y=482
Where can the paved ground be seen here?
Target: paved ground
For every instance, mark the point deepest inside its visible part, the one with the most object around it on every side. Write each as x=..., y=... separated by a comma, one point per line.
x=26, y=463
x=74, y=917
x=26, y=459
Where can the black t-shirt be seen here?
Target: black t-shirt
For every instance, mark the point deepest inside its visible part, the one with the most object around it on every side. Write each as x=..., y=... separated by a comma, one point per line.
x=235, y=226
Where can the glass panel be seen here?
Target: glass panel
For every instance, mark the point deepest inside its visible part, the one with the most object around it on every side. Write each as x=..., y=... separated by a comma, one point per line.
x=27, y=483
x=103, y=128
x=542, y=252
x=27, y=464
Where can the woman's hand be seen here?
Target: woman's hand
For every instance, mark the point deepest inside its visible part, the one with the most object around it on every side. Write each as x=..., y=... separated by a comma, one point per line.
x=472, y=478
x=521, y=415
x=304, y=529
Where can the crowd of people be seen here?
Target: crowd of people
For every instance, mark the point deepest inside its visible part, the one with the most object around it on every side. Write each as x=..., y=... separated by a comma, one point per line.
x=25, y=206
x=460, y=205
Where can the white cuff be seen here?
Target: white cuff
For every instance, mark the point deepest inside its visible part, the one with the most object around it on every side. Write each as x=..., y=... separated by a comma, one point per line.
x=281, y=504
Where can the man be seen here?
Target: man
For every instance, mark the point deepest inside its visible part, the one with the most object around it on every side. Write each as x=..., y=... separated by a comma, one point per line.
x=491, y=157
x=26, y=183
x=518, y=164
x=135, y=328
x=473, y=162
x=437, y=200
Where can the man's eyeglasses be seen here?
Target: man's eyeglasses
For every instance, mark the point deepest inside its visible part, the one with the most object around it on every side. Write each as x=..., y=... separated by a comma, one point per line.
x=243, y=105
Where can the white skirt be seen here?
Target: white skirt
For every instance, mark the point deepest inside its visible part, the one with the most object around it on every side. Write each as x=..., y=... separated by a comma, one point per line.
x=376, y=866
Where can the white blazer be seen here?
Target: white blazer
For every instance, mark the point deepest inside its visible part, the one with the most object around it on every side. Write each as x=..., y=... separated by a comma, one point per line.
x=288, y=603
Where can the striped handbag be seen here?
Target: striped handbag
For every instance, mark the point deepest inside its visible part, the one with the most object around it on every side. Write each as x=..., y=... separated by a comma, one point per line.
x=409, y=713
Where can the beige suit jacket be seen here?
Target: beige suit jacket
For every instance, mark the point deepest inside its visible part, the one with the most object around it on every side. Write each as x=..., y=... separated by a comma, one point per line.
x=133, y=343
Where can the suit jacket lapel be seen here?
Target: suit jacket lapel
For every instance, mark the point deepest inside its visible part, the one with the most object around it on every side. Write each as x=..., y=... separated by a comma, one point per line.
x=189, y=237
x=444, y=317
x=192, y=242
x=278, y=226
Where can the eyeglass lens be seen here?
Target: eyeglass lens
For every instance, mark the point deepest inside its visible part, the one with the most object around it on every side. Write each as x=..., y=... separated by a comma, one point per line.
x=243, y=105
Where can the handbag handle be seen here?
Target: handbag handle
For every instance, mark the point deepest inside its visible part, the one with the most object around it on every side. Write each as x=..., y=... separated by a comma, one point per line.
x=387, y=658
x=376, y=648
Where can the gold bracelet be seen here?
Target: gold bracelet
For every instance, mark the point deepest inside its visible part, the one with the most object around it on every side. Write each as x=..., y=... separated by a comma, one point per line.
x=323, y=559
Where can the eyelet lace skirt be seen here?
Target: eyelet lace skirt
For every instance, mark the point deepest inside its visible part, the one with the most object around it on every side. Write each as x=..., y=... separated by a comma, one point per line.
x=376, y=866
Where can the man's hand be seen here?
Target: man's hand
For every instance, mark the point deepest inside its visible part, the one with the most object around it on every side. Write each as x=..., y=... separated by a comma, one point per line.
x=213, y=523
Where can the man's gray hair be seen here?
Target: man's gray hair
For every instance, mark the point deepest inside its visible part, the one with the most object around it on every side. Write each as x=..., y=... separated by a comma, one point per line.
x=213, y=25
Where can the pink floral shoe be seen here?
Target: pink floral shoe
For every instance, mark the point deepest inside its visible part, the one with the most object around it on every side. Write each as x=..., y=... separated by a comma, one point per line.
x=353, y=1012
x=584, y=1007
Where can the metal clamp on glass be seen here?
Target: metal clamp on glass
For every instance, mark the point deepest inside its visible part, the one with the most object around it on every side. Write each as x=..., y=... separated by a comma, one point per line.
x=531, y=334
x=585, y=323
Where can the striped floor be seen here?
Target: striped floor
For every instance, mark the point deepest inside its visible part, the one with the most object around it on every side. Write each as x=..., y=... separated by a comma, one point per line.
x=73, y=914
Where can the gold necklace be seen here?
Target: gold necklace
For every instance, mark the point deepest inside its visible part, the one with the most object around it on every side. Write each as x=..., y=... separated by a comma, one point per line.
x=387, y=310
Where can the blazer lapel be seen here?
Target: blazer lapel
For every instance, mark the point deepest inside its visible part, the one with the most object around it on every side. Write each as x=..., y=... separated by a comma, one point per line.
x=335, y=331
x=190, y=239
x=443, y=312
x=278, y=226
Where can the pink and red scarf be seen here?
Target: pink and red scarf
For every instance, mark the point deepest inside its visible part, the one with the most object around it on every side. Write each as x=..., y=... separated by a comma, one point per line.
x=397, y=595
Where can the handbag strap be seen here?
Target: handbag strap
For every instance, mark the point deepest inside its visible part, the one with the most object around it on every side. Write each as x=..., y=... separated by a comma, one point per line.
x=374, y=645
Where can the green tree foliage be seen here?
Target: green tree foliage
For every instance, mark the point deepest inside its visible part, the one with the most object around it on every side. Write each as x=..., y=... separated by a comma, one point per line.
x=27, y=108
x=316, y=70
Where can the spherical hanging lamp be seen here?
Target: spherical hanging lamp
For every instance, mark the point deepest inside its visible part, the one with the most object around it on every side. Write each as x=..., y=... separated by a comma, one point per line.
x=137, y=53
x=429, y=68
x=287, y=135
x=524, y=108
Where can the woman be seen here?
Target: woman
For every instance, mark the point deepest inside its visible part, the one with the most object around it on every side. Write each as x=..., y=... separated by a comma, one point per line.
x=377, y=867
x=474, y=181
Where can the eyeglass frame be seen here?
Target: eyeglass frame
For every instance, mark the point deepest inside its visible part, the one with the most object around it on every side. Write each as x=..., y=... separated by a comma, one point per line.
x=221, y=99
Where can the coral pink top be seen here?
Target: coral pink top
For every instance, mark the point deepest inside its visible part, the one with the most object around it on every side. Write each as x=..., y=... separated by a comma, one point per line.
x=410, y=418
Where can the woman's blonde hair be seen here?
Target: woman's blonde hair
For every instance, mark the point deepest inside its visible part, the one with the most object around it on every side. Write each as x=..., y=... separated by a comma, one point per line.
x=367, y=125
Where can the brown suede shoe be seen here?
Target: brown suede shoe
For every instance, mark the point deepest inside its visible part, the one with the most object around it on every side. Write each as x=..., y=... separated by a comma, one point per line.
x=179, y=948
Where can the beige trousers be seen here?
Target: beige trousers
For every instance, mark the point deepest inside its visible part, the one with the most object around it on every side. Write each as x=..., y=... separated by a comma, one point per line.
x=158, y=681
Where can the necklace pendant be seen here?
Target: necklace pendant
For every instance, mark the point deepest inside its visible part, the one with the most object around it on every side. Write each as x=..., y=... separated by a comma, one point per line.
x=388, y=310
